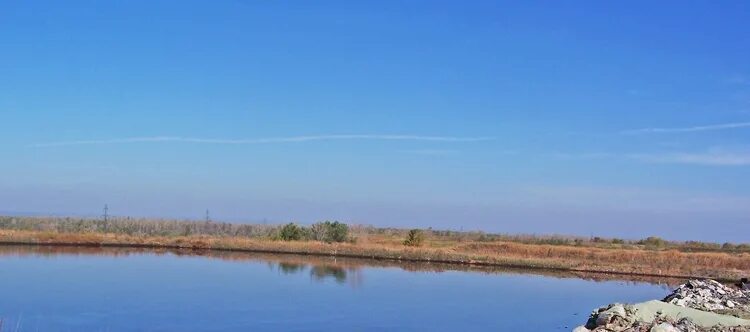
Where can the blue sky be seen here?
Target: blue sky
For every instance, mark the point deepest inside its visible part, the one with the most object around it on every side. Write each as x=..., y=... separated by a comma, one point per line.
x=586, y=117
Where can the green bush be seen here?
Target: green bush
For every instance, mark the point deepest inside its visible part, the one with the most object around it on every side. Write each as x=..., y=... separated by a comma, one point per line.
x=728, y=246
x=653, y=241
x=338, y=232
x=329, y=231
x=291, y=232
x=414, y=238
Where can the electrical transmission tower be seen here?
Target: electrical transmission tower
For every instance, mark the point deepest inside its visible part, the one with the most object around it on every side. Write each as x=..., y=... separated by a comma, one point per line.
x=208, y=216
x=106, y=212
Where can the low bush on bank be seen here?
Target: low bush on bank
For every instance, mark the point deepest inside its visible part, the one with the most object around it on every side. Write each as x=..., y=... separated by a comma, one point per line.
x=330, y=231
x=653, y=241
x=291, y=232
x=326, y=231
x=414, y=238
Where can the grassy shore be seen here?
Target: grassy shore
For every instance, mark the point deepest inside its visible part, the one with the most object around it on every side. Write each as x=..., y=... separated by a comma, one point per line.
x=592, y=256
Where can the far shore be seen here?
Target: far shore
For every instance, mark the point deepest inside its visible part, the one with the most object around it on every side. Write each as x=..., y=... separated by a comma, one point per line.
x=612, y=260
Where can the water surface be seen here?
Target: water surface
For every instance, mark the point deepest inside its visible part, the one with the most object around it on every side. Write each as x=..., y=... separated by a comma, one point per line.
x=94, y=289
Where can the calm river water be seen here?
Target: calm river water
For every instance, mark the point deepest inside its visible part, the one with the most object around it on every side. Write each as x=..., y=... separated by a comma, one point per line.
x=93, y=289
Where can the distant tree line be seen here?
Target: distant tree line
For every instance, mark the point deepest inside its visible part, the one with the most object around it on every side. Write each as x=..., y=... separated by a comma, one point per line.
x=326, y=231
x=140, y=227
x=334, y=231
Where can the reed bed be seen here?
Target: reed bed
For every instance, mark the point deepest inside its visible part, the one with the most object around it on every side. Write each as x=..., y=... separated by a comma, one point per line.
x=636, y=261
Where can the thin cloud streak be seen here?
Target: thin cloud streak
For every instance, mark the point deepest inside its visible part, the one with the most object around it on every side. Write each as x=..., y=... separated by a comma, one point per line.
x=271, y=140
x=713, y=157
x=689, y=129
x=708, y=158
x=432, y=152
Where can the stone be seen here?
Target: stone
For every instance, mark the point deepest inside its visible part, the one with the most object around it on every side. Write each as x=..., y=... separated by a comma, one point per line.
x=696, y=306
x=581, y=329
x=710, y=295
x=664, y=327
x=652, y=310
x=607, y=316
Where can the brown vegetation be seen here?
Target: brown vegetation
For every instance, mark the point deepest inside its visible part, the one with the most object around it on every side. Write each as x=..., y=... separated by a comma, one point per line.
x=630, y=259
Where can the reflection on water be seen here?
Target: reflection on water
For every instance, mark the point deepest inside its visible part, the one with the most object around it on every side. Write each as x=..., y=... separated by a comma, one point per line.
x=58, y=288
x=340, y=269
x=320, y=273
x=291, y=268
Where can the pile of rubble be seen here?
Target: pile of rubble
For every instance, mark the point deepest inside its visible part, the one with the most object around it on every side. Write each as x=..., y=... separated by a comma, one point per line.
x=696, y=306
x=615, y=317
x=712, y=296
x=657, y=316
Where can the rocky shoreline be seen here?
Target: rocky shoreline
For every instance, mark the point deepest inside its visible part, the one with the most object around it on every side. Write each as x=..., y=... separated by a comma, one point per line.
x=695, y=306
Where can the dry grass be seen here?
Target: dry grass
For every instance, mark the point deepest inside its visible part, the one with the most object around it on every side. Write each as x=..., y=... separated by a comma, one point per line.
x=718, y=265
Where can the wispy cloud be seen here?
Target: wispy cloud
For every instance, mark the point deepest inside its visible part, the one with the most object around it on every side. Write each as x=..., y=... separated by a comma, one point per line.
x=587, y=155
x=433, y=152
x=271, y=140
x=723, y=126
x=711, y=158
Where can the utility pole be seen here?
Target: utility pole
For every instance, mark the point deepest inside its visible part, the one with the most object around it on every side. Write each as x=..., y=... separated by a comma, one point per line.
x=106, y=212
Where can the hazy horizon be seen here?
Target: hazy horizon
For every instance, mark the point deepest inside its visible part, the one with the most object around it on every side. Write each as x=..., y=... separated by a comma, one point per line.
x=608, y=119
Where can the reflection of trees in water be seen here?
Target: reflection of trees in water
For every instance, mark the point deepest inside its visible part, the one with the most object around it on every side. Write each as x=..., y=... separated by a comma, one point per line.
x=321, y=272
x=291, y=268
x=293, y=264
x=341, y=274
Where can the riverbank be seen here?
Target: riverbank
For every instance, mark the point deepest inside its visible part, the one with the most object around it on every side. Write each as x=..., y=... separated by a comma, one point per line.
x=646, y=262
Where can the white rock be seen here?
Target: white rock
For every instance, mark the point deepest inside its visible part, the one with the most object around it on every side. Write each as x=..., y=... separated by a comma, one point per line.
x=606, y=316
x=714, y=307
x=664, y=327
